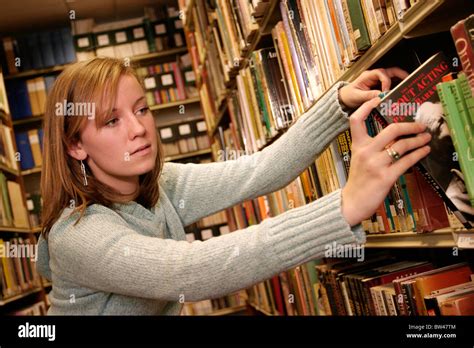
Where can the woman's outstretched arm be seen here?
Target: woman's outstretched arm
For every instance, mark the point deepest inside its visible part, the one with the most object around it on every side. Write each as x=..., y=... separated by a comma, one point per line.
x=212, y=187
x=103, y=253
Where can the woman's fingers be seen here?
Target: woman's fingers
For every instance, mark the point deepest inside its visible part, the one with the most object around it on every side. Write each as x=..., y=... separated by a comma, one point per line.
x=403, y=146
x=357, y=122
x=373, y=77
x=396, y=72
x=384, y=76
x=396, y=130
x=407, y=161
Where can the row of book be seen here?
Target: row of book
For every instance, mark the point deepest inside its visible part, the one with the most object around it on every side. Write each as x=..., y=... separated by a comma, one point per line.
x=315, y=43
x=209, y=307
x=30, y=144
x=211, y=84
x=13, y=212
x=167, y=82
x=27, y=97
x=382, y=286
x=379, y=286
x=37, y=50
x=17, y=267
x=184, y=138
x=158, y=30
x=260, y=108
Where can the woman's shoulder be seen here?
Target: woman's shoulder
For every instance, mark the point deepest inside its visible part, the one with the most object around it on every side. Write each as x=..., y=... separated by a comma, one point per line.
x=94, y=215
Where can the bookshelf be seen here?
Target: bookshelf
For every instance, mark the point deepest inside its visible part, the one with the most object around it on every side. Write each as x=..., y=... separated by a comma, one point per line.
x=18, y=297
x=443, y=238
x=133, y=59
x=174, y=104
x=420, y=23
x=165, y=114
x=187, y=155
x=8, y=170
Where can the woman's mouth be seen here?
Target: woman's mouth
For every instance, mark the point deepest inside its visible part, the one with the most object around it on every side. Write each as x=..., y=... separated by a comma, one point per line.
x=142, y=150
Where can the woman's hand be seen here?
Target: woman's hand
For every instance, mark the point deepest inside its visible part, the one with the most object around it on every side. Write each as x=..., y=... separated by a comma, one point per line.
x=372, y=170
x=359, y=91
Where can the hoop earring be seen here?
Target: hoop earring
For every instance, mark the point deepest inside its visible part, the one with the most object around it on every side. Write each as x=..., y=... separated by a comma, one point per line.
x=83, y=170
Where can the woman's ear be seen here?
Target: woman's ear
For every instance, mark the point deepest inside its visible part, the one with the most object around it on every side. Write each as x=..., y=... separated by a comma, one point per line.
x=76, y=150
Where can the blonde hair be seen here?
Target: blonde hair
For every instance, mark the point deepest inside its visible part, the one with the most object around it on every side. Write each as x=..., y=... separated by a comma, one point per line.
x=93, y=81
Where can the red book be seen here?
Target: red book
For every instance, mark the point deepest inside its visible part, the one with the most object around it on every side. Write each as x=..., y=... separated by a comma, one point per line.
x=463, y=36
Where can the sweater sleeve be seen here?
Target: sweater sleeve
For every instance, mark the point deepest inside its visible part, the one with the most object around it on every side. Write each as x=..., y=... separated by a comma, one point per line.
x=212, y=187
x=102, y=252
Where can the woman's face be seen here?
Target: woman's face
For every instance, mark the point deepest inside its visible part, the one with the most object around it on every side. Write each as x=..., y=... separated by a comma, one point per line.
x=113, y=150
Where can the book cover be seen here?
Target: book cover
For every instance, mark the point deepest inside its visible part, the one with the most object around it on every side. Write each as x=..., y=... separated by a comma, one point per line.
x=415, y=99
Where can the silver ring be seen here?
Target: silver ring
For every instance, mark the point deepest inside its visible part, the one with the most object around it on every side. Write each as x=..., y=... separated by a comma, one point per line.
x=394, y=155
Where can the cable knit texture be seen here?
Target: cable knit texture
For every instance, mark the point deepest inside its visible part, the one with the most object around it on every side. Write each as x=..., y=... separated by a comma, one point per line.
x=134, y=260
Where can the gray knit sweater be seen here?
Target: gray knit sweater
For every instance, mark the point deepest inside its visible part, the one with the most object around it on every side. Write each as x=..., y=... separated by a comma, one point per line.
x=134, y=260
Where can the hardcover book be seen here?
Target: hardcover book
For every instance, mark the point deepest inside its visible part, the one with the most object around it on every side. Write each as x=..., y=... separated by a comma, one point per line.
x=415, y=99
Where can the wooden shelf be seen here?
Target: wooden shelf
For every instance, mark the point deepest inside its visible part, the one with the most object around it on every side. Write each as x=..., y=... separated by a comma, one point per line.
x=31, y=171
x=58, y=68
x=261, y=310
x=179, y=121
x=188, y=17
x=175, y=103
x=155, y=55
x=444, y=238
x=188, y=155
x=36, y=230
x=14, y=229
x=19, y=296
x=36, y=72
x=4, y=116
x=220, y=117
x=227, y=311
x=6, y=169
x=28, y=120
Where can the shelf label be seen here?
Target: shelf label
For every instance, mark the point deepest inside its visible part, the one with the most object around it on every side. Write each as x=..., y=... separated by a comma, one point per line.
x=464, y=240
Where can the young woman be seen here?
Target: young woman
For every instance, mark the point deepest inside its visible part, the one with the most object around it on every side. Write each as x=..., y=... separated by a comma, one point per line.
x=113, y=240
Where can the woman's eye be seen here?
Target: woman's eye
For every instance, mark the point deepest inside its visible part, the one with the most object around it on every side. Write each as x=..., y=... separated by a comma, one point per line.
x=144, y=110
x=111, y=122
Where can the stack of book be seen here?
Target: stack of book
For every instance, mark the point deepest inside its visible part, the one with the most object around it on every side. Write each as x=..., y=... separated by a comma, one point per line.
x=37, y=50
x=13, y=212
x=19, y=270
x=395, y=288
x=27, y=97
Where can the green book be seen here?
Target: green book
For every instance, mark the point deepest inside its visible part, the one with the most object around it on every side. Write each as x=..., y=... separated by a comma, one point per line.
x=467, y=95
x=447, y=94
x=8, y=218
x=361, y=34
x=464, y=115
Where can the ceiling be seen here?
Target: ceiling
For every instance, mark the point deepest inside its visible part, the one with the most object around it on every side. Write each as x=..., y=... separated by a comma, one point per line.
x=30, y=15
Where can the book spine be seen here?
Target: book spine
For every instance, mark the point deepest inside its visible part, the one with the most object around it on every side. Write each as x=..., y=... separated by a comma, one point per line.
x=447, y=92
x=463, y=43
